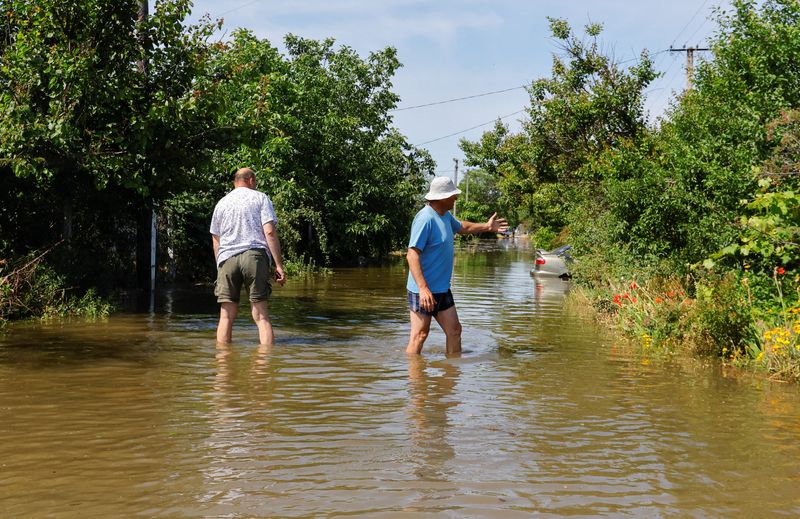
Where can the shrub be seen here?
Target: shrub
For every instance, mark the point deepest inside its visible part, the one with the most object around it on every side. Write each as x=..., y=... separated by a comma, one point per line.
x=721, y=319
x=29, y=287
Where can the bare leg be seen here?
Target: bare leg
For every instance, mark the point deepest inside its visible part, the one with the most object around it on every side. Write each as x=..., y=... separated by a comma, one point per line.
x=420, y=326
x=448, y=320
x=261, y=318
x=227, y=313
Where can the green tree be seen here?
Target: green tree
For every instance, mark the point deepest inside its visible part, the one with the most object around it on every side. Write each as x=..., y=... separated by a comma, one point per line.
x=590, y=104
x=769, y=226
x=480, y=197
x=88, y=132
x=678, y=194
x=344, y=182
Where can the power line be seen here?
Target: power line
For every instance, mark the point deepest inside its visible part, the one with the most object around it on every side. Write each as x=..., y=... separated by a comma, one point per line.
x=240, y=7
x=690, y=21
x=698, y=29
x=639, y=57
x=496, y=91
x=457, y=99
x=667, y=84
x=468, y=129
x=499, y=91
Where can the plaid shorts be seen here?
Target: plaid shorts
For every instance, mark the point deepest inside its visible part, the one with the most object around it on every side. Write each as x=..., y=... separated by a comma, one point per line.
x=442, y=301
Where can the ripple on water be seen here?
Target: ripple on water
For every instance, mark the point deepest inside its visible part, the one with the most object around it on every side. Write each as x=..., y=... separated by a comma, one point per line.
x=145, y=415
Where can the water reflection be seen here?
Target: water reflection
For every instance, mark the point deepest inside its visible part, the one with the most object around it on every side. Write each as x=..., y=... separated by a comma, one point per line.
x=241, y=424
x=550, y=292
x=431, y=396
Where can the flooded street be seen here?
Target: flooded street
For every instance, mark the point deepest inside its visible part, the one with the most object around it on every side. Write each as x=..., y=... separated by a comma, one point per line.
x=143, y=415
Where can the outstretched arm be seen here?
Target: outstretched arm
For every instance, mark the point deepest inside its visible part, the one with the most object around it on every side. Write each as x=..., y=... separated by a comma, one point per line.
x=494, y=224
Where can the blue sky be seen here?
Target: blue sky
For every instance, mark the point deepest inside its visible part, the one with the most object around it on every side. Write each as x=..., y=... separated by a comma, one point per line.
x=458, y=48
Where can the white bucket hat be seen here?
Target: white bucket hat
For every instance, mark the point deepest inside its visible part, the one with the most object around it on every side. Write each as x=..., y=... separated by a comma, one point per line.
x=441, y=188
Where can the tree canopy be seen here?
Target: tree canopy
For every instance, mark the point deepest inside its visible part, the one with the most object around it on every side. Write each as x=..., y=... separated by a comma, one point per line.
x=103, y=116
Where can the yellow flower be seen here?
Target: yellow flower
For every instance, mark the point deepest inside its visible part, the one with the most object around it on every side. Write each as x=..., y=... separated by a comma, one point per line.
x=760, y=356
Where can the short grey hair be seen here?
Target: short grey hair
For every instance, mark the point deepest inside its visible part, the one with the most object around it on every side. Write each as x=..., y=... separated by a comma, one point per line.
x=243, y=174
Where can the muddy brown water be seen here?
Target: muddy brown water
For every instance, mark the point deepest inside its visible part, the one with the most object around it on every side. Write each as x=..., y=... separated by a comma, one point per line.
x=542, y=415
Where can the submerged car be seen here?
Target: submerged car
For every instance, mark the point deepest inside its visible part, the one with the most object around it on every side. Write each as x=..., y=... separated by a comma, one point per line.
x=554, y=263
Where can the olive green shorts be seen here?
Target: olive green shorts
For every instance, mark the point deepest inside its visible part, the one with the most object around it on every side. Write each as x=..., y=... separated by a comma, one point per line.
x=252, y=268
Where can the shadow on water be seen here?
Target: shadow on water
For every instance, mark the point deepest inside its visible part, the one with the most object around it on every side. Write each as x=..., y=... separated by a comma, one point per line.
x=192, y=300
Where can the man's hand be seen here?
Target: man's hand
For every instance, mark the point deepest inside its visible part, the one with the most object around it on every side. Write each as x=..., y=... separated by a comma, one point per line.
x=280, y=276
x=426, y=301
x=497, y=224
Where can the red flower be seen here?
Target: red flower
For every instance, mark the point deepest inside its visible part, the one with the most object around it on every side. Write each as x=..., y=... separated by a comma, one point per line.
x=659, y=300
x=780, y=271
x=633, y=285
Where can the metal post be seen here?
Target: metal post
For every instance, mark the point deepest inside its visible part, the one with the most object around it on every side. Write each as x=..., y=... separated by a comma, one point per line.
x=455, y=179
x=153, y=223
x=141, y=18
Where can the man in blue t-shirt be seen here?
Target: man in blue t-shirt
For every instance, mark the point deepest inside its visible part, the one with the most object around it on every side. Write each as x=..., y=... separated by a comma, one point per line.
x=430, y=263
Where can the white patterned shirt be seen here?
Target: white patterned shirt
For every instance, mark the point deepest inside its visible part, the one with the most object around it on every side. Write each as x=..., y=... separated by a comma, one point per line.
x=238, y=219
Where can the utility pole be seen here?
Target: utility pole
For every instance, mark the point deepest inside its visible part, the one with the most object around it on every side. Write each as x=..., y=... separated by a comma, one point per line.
x=466, y=177
x=455, y=179
x=689, y=63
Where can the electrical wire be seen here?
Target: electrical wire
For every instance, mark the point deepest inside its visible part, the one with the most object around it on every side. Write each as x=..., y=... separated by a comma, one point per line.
x=434, y=103
x=457, y=99
x=690, y=21
x=468, y=129
x=653, y=55
x=667, y=84
x=698, y=29
x=237, y=8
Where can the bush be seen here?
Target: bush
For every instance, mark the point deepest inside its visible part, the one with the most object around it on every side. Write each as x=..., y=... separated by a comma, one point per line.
x=544, y=238
x=721, y=319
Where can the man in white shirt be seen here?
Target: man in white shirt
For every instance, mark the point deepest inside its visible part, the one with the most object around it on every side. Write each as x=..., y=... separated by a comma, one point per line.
x=246, y=246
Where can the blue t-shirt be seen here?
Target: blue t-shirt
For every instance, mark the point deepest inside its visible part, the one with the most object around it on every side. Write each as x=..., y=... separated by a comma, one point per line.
x=433, y=234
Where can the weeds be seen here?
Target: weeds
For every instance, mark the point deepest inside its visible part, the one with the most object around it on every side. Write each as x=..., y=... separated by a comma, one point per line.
x=747, y=319
x=29, y=287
